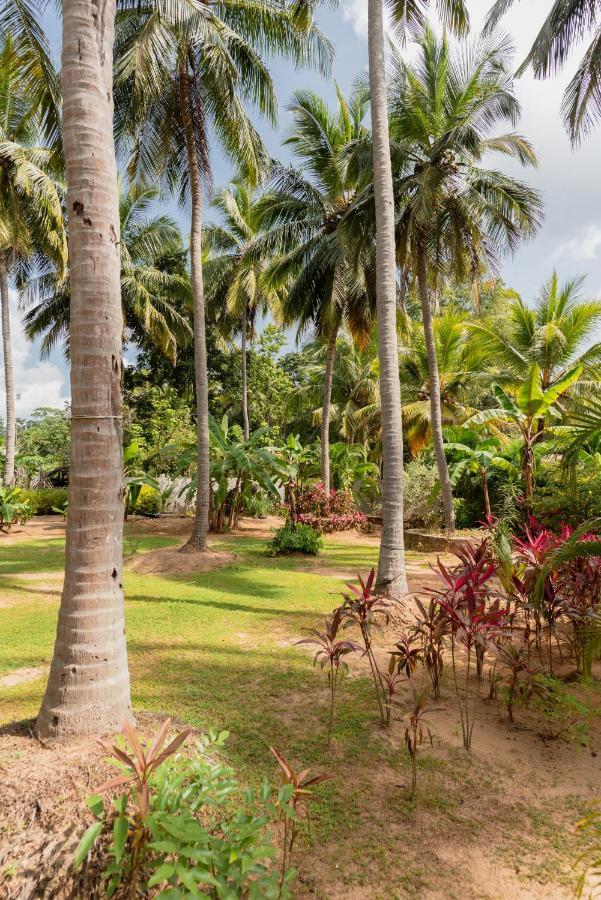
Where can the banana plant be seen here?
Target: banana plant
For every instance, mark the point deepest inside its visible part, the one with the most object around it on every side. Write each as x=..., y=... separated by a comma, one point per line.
x=478, y=460
x=238, y=466
x=529, y=410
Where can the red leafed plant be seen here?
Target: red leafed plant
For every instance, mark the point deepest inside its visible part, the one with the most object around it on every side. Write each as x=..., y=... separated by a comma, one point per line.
x=408, y=654
x=432, y=627
x=360, y=608
x=331, y=652
x=475, y=617
x=295, y=793
x=390, y=681
x=328, y=511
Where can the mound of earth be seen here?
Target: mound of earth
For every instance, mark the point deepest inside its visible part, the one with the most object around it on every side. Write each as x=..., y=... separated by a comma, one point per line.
x=171, y=561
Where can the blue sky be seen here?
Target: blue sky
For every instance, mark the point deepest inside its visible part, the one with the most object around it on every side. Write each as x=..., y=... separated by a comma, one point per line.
x=570, y=181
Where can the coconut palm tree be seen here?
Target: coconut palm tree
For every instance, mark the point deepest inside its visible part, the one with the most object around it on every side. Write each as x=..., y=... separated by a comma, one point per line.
x=556, y=333
x=237, y=290
x=568, y=22
x=152, y=297
x=38, y=79
x=88, y=686
x=302, y=214
x=31, y=223
x=391, y=566
x=461, y=365
x=182, y=67
x=529, y=409
x=455, y=216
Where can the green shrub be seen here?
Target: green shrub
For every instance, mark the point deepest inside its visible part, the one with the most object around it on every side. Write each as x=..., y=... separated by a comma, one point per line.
x=14, y=509
x=185, y=828
x=421, y=510
x=44, y=501
x=558, y=499
x=149, y=501
x=292, y=538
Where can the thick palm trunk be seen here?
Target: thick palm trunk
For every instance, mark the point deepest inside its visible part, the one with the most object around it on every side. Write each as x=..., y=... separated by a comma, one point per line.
x=88, y=688
x=446, y=490
x=9, y=382
x=325, y=411
x=391, y=566
x=198, y=539
x=245, y=418
x=486, y=494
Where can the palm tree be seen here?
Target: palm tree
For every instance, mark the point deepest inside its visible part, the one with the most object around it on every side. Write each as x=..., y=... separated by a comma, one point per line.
x=237, y=290
x=31, y=224
x=183, y=66
x=303, y=215
x=555, y=334
x=478, y=460
x=152, y=297
x=88, y=686
x=567, y=23
x=529, y=410
x=455, y=216
x=391, y=565
x=461, y=365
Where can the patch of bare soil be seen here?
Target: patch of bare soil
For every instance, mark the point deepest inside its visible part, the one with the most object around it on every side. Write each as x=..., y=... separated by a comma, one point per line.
x=38, y=528
x=171, y=561
x=22, y=676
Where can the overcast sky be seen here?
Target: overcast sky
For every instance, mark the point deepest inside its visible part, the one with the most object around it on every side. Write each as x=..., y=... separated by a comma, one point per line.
x=570, y=181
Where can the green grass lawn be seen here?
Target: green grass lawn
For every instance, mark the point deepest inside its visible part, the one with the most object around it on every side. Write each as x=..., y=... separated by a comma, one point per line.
x=216, y=649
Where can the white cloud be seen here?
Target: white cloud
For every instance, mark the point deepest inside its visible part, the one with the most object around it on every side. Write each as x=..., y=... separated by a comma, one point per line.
x=585, y=246
x=36, y=383
x=355, y=12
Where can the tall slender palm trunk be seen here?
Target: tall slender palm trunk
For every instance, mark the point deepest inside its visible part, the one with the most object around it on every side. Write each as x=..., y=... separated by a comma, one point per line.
x=446, y=490
x=198, y=538
x=8, y=476
x=245, y=418
x=391, y=566
x=326, y=409
x=88, y=687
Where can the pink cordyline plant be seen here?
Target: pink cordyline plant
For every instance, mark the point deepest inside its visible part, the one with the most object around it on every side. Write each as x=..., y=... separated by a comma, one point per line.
x=475, y=617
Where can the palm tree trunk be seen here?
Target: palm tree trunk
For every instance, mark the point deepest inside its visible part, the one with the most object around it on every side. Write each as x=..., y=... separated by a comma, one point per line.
x=435, y=411
x=198, y=539
x=245, y=418
x=392, y=576
x=486, y=493
x=9, y=382
x=325, y=411
x=88, y=687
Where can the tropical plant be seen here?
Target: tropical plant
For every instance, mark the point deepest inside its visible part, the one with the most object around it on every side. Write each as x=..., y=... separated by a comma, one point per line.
x=297, y=464
x=135, y=477
x=478, y=460
x=530, y=410
x=408, y=654
x=431, y=627
x=295, y=794
x=567, y=23
x=328, y=512
x=295, y=538
x=237, y=466
x=557, y=334
x=360, y=608
x=31, y=219
x=454, y=215
x=88, y=687
x=417, y=728
x=14, y=508
x=237, y=290
x=302, y=214
x=154, y=299
x=475, y=619
x=208, y=66
x=461, y=365
x=182, y=825
x=515, y=658
x=331, y=652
